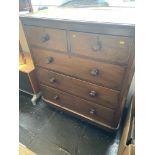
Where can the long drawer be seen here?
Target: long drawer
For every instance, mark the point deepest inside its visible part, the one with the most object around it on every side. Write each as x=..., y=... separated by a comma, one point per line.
x=86, y=90
x=92, y=111
x=107, y=75
x=114, y=49
x=47, y=37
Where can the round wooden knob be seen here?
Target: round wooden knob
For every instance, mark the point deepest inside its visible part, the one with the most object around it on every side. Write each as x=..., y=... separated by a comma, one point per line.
x=52, y=80
x=92, y=111
x=49, y=60
x=56, y=97
x=94, y=72
x=45, y=38
x=93, y=93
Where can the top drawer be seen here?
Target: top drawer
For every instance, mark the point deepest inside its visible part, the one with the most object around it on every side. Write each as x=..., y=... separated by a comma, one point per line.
x=113, y=49
x=46, y=37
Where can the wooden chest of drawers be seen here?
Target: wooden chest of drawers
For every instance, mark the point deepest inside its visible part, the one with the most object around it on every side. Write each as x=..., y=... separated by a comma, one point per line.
x=83, y=68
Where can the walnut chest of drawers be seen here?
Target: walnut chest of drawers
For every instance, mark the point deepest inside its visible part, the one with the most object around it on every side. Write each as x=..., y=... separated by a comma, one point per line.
x=83, y=68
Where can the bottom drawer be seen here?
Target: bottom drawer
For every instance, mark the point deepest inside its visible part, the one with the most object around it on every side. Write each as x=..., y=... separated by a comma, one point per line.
x=91, y=111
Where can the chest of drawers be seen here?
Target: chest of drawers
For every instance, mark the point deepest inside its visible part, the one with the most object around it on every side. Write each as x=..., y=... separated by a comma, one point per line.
x=83, y=68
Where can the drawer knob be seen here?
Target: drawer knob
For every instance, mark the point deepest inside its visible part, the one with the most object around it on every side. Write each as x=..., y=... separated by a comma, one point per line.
x=94, y=72
x=93, y=93
x=56, y=97
x=49, y=60
x=52, y=80
x=45, y=38
x=92, y=111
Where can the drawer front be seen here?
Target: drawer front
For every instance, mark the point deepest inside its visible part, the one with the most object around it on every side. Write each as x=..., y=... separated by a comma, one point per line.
x=88, y=109
x=86, y=90
x=47, y=38
x=112, y=49
x=99, y=73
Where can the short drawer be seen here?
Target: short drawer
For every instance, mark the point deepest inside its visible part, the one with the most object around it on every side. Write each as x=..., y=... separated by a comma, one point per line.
x=98, y=94
x=64, y=100
x=46, y=37
x=113, y=49
x=107, y=75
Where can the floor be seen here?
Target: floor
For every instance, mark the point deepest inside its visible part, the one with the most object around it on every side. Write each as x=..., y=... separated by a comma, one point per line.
x=47, y=131
x=23, y=150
